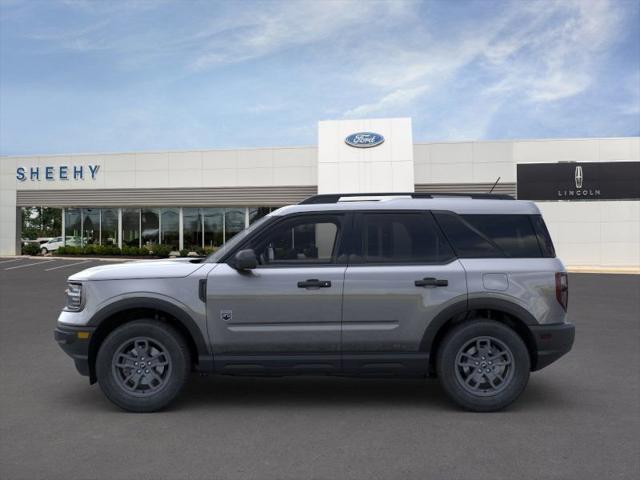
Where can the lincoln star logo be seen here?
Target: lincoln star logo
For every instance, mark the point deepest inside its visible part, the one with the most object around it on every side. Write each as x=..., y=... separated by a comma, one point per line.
x=579, y=177
x=364, y=139
x=580, y=191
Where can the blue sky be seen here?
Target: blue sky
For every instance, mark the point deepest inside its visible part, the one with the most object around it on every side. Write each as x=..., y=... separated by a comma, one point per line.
x=90, y=76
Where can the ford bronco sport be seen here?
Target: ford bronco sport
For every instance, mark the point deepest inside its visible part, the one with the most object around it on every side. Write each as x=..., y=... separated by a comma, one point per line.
x=465, y=288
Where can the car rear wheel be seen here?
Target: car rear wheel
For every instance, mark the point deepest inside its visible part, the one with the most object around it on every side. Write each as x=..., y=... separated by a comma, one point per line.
x=44, y=251
x=143, y=365
x=483, y=365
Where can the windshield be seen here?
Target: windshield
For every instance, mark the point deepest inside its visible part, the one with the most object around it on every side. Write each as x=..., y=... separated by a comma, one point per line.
x=237, y=238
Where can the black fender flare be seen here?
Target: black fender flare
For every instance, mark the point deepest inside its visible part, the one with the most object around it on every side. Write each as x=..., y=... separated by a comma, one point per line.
x=465, y=306
x=205, y=359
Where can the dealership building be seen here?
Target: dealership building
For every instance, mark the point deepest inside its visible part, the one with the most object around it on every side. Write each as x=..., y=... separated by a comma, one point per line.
x=587, y=189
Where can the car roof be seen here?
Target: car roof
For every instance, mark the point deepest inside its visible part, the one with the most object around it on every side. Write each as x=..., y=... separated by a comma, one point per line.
x=461, y=205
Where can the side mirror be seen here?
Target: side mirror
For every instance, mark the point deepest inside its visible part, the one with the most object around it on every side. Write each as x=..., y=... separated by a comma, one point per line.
x=245, y=260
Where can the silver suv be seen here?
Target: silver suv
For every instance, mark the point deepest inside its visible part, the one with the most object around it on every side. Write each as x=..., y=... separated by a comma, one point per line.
x=465, y=288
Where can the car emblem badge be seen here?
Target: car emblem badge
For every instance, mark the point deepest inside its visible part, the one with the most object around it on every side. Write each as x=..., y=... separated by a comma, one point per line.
x=579, y=177
x=364, y=140
x=226, y=315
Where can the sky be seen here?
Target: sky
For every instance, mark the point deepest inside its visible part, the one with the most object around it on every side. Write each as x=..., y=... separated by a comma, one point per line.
x=89, y=76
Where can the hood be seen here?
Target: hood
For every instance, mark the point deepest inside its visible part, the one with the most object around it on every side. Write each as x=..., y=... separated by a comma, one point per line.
x=177, y=268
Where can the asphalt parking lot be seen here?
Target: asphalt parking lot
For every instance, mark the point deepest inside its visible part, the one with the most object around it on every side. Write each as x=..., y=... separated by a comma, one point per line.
x=579, y=418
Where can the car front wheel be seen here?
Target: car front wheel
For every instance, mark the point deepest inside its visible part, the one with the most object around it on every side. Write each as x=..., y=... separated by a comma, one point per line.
x=143, y=365
x=483, y=365
x=44, y=251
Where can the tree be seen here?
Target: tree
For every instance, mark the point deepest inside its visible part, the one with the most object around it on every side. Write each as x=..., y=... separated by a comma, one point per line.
x=41, y=222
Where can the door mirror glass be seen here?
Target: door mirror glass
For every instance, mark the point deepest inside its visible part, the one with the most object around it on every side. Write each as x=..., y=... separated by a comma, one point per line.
x=246, y=260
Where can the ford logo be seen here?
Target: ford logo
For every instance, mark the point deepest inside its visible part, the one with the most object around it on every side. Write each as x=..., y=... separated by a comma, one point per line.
x=364, y=139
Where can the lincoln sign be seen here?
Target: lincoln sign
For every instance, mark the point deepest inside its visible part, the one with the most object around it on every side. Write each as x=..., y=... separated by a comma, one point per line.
x=579, y=181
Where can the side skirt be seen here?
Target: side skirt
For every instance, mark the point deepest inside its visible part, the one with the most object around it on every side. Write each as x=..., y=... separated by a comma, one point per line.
x=348, y=364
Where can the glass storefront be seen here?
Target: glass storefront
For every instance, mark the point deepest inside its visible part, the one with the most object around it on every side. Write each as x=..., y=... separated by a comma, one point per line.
x=109, y=226
x=206, y=228
x=90, y=226
x=234, y=222
x=150, y=222
x=213, y=219
x=191, y=228
x=73, y=226
x=131, y=227
x=256, y=213
x=170, y=227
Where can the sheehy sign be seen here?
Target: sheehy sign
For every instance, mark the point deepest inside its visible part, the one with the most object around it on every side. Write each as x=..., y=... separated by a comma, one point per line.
x=579, y=181
x=60, y=172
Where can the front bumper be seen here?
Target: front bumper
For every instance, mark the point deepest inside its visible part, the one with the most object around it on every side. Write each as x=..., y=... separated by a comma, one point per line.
x=75, y=343
x=552, y=342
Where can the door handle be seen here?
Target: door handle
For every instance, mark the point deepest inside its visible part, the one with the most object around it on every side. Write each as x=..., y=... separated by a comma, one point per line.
x=314, y=283
x=431, y=282
x=202, y=290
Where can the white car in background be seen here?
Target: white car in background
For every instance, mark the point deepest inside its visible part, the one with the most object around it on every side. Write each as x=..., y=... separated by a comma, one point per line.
x=56, y=242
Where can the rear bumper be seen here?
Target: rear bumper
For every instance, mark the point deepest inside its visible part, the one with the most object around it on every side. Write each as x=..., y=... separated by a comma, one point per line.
x=552, y=342
x=74, y=341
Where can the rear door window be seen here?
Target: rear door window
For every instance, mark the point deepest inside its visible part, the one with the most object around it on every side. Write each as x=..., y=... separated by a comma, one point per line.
x=402, y=238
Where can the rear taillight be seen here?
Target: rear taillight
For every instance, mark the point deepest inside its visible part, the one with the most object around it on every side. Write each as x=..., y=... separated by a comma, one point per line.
x=562, y=289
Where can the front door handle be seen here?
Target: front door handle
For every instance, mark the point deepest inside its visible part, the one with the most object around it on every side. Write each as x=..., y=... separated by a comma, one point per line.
x=431, y=282
x=314, y=283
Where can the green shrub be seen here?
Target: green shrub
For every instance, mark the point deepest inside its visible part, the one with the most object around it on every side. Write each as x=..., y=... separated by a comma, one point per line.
x=31, y=249
x=184, y=252
x=69, y=251
x=161, y=251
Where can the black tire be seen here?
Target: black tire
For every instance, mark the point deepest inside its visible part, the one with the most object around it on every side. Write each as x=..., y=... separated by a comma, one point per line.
x=161, y=384
x=475, y=346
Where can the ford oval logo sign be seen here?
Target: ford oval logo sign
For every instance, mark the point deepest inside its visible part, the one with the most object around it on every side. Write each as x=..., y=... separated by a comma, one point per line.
x=364, y=139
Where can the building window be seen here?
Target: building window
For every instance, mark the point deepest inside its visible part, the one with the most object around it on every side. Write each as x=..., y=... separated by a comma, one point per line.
x=90, y=226
x=192, y=228
x=213, y=219
x=150, y=222
x=131, y=227
x=234, y=222
x=72, y=227
x=109, y=227
x=255, y=213
x=170, y=227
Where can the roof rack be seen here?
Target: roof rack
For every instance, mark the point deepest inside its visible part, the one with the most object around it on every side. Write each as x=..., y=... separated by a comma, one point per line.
x=336, y=197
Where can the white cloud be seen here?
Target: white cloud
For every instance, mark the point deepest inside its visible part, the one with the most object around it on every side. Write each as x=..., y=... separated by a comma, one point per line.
x=552, y=56
x=398, y=98
x=540, y=51
x=256, y=33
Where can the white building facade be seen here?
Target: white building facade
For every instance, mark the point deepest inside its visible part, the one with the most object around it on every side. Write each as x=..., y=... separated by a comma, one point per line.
x=587, y=189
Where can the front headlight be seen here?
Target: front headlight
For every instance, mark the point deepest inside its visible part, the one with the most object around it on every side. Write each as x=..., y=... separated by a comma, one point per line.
x=74, y=297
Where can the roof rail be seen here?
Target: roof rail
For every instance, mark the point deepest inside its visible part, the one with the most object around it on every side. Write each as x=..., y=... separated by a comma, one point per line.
x=336, y=197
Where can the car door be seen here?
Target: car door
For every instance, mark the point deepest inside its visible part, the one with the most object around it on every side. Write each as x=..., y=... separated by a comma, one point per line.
x=286, y=313
x=403, y=275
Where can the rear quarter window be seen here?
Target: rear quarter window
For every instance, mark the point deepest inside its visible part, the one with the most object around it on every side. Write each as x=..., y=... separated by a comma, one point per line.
x=494, y=235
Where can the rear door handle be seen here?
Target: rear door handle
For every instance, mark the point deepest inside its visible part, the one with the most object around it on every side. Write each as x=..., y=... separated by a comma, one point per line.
x=431, y=282
x=314, y=283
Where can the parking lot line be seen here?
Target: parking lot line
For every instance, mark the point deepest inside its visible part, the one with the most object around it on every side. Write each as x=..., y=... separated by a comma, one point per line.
x=65, y=266
x=9, y=261
x=30, y=264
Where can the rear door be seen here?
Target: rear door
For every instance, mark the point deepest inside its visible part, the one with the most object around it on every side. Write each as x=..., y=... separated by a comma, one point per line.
x=285, y=314
x=403, y=274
